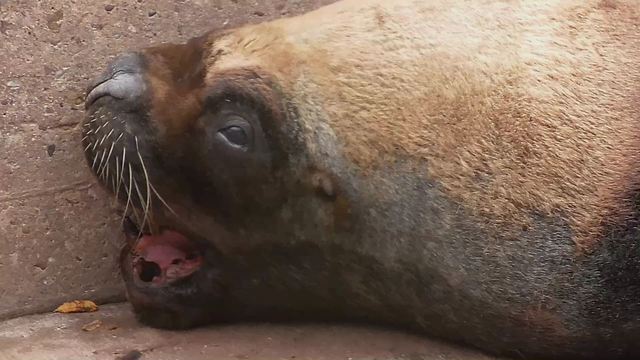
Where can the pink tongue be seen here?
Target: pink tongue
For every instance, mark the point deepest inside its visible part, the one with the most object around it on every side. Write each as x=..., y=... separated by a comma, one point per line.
x=165, y=249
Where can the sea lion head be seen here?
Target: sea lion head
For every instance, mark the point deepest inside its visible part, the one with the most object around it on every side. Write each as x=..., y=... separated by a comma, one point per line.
x=210, y=164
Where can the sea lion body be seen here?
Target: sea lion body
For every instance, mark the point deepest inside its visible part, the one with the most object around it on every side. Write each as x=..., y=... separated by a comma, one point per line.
x=468, y=169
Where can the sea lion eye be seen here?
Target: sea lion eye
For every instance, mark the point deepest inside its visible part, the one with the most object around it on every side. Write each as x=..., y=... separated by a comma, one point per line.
x=237, y=133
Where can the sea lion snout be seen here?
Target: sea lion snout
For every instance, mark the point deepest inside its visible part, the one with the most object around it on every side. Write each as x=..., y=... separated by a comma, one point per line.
x=122, y=81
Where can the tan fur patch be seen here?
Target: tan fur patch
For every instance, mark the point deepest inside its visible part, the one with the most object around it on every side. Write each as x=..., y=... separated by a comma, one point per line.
x=515, y=108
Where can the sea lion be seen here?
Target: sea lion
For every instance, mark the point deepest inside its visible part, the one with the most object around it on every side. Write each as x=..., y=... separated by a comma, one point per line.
x=466, y=169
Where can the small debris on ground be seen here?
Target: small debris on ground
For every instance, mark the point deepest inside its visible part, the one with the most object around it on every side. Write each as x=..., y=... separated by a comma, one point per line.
x=13, y=84
x=54, y=20
x=77, y=306
x=92, y=325
x=51, y=149
x=131, y=355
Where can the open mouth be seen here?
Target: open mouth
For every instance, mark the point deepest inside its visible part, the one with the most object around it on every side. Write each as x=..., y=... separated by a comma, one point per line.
x=161, y=259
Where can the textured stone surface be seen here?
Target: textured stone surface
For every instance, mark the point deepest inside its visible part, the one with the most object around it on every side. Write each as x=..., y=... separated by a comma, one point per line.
x=59, y=233
x=56, y=336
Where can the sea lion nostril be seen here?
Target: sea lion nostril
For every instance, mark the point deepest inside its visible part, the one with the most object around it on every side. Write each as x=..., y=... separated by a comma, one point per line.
x=122, y=86
x=121, y=80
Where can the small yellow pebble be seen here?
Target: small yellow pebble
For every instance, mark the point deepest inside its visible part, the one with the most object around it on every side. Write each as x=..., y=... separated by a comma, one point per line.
x=77, y=306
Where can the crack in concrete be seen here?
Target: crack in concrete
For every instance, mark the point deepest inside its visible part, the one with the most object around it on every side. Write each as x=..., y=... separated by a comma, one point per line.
x=64, y=126
x=27, y=194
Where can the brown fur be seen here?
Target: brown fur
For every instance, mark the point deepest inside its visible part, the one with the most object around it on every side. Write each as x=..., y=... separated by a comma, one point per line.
x=562, y=75
x=431, y=164
x=176, y=98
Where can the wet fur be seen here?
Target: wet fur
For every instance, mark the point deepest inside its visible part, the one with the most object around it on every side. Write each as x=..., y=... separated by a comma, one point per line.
x=463, y=168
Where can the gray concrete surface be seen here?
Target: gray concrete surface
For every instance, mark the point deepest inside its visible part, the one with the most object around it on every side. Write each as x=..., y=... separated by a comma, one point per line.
x=58, y=336
x=58, y=232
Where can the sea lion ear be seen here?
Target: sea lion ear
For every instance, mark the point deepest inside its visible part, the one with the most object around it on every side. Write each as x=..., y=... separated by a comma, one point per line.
x=323, y=184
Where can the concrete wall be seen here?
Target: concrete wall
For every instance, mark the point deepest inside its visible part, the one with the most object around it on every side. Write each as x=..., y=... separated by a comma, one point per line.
x=59, y=234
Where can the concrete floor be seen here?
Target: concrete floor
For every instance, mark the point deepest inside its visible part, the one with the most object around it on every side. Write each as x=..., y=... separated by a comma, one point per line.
x=119, y=336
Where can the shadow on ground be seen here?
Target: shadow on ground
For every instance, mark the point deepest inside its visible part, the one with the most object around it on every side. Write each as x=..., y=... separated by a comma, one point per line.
x=112, y=333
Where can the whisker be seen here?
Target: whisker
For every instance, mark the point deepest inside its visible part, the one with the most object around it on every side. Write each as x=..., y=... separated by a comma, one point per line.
x=127, y=189
x=117, y=187
x=110, y=133
x=98, y=172
x=141, y=198
x=106, y=173
x=146, y=177
x=95, y=145
x=135, y=210
x=88, y=146
x=162, y=199
x=95, y=159
x=106, y=166
x=124, y=156
x=135, y=213
x=102, y=140
x=101, y=127
x=119, y=137
x=113, y=184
